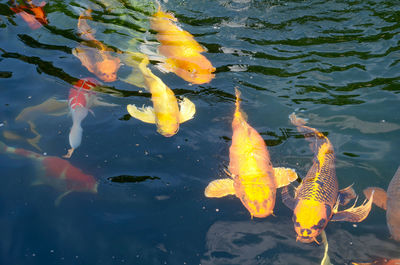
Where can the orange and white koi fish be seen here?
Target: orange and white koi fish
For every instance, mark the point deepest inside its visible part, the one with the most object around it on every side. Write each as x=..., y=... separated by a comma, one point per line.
x=390, y=202
x=381, y=261
x=32, y=14
x=81, y=99
x=166, y=113
x=182, y=51
x=94, y=55
x=317, y=198
x=56, y=172
x=253, y=179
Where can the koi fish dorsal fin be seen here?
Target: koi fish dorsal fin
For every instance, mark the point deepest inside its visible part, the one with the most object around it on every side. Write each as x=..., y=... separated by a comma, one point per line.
x=220, y=188
x=145, y=114
x=287, y=199
x=284, y=176
x=187, y=110
x=346, y=195
x=355, y=214
x=380, y=196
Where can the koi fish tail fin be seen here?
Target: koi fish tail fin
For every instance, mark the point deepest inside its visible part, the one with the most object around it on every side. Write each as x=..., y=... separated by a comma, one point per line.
x=237, y=94
x=325, y=260
x=85, y=31
x=311, y=134
x=238, y=112
x=18, y=151
x=380, y=196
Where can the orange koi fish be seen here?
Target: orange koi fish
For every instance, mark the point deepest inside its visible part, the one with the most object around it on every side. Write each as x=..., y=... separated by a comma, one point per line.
x=381, y=261
x=94, y=55
x=165, y=113
x=252, y=178
x=390, y=202
x=183, y=53
x=317, y=198
x=56, y=172
x=32, y=14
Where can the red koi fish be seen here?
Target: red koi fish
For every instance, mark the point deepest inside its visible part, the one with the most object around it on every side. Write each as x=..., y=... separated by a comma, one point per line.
x=56, y=172
x=381, y=261
x=317, y=198
x=253, y=179
x=96, y=57
x=32, y=14
x=390, y=202
x=81, y=98
x=182, y=51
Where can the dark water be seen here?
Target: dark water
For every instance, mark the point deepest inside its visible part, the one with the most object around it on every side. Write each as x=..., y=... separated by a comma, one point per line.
x=336, y=63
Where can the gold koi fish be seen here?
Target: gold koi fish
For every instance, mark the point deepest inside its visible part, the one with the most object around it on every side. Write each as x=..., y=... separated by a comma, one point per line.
x=317, y=198
x=165, y=112
x=182, y=51
x=253, y=179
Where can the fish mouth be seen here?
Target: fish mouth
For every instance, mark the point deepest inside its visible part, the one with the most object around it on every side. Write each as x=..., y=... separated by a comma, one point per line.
x=307, y=239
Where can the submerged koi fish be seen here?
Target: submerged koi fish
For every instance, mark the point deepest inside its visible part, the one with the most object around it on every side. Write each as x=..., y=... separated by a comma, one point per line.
x=56, y=172
x=390, y=202
x=32, y=14
x=81, y=99
x=165, y=113
x=95, y=56
x=253, y=179
x=317, y=199
x=183, y=53
x=381, y=261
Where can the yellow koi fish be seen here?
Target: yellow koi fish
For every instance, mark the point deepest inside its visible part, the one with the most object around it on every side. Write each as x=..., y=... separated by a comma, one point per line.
x=317, y=199
x=182, y=51
x=390, y=202
x=253, y=179
x=96, y=57
x=165, y=113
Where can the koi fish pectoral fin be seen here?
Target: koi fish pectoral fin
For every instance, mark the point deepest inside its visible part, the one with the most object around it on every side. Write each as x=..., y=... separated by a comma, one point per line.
x=355, y=214
x=288, y=200
x=145, y=114
x=346, y=195
x=187, y=110
x=284, y=176
x=220, y=188
x=380, y=196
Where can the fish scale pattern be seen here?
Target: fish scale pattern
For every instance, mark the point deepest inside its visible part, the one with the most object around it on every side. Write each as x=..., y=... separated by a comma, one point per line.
x=320, y=183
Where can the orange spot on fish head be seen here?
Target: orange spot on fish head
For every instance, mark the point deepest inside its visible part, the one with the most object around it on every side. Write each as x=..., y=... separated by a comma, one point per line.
x=107, y=69
x=259, y=199
x=310, y=218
